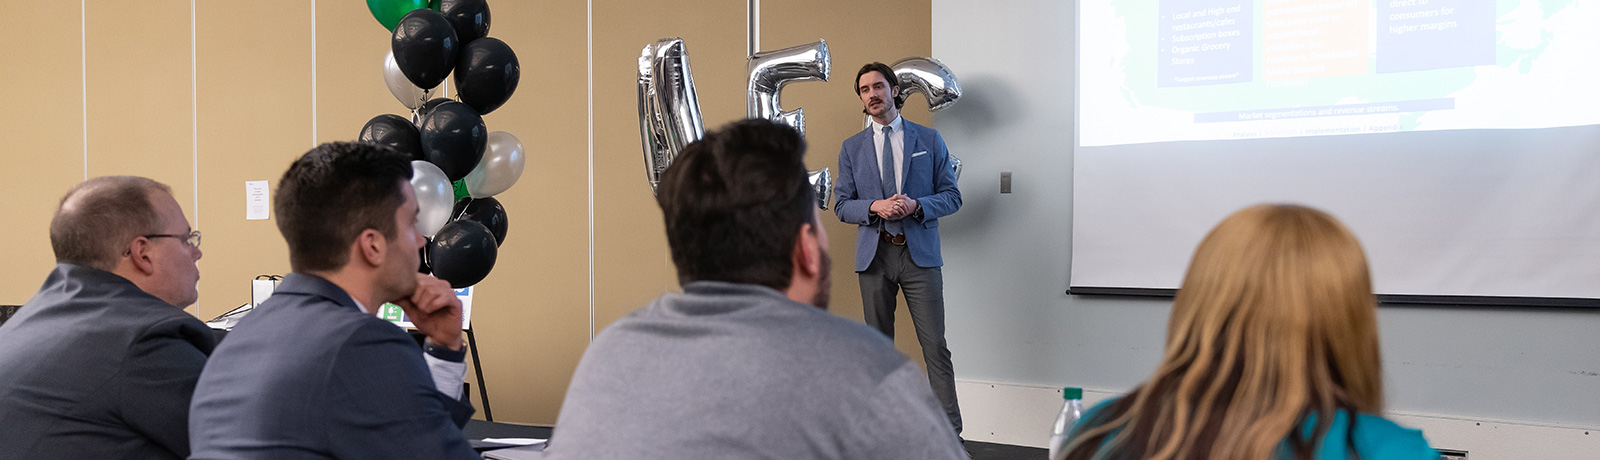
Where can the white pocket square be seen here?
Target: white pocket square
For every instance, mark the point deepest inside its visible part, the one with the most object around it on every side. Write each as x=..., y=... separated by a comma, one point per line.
x=918, y=154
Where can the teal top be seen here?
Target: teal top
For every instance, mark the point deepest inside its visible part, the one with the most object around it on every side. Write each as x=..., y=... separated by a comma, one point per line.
x=1376, y=438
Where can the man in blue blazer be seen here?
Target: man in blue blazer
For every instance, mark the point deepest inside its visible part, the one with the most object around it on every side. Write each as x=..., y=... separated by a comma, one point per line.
x=312, y=373
x=102, y=361
x=895, y=182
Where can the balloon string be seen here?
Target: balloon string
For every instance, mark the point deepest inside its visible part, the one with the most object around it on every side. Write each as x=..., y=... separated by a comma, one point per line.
x=464, y=209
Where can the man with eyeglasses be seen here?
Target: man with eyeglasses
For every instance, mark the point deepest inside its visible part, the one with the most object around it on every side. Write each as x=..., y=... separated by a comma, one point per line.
x=101, y=363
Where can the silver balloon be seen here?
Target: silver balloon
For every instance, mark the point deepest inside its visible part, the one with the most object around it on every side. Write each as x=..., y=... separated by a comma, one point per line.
x=435, y=198
x=822, y=186
x=771, y=70
x=669, y=110
x=402, y=88
x=955, y=163
x=500, y=167
x=928, y=76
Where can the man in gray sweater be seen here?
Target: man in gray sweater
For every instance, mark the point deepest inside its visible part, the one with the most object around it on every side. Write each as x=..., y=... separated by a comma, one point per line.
x=746, y=362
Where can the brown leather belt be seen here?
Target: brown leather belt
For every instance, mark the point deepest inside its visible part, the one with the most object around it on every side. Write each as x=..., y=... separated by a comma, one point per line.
x=897, y=240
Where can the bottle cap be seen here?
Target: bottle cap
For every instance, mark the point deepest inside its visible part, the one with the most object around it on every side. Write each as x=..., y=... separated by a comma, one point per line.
x=1071, y=393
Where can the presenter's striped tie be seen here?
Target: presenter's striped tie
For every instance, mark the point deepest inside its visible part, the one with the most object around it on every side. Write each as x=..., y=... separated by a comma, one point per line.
x=889, y=187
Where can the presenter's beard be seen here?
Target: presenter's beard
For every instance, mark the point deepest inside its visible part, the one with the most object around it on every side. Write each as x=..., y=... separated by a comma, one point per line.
x=825, y=284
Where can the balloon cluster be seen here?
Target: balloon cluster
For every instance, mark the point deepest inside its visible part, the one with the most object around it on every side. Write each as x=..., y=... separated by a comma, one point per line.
x=450, y=146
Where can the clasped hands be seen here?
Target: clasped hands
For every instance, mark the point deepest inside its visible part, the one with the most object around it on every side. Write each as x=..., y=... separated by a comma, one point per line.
x=894, y=208
x=435, y=311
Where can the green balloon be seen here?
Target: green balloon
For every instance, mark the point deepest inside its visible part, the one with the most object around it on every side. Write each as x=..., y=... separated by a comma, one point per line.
x=389, y=12
x=461, y=188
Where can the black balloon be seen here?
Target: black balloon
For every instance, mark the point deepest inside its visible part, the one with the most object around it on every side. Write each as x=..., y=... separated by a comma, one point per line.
x=426, y=107
x=487, y=74
x=486, y=211
x=393, y=131
x=422, y=110
x=425, y=47
x=469, y=17
x=462, y=253
x=453, y=138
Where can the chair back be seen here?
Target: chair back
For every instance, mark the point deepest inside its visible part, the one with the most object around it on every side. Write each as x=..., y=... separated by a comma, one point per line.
x=6, y=311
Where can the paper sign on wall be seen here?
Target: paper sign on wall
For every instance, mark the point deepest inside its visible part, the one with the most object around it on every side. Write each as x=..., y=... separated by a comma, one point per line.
x=256, y=200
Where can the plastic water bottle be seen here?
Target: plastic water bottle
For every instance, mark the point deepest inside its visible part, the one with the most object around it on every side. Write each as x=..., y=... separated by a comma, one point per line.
x=1071, y=409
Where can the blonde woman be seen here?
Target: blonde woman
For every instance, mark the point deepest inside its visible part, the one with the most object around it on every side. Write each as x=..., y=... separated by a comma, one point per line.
x=1272, y=353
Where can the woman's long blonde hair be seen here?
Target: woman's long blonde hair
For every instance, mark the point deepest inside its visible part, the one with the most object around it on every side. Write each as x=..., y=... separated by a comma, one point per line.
x=1275, y=323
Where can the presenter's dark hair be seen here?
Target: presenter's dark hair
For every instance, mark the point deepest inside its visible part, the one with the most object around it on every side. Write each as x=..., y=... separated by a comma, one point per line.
x=888, y=75
x=734, y=202
x=332, y=194
x=98, y=218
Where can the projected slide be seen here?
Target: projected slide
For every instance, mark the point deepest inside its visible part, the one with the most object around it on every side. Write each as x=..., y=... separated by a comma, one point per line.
x=1178, y=70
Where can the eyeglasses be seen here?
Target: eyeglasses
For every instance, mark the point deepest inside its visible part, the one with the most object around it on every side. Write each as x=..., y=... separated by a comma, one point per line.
x=191, y=238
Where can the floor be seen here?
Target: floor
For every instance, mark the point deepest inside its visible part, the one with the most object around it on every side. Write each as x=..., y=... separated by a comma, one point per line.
x=479, y=429
x=987, y=451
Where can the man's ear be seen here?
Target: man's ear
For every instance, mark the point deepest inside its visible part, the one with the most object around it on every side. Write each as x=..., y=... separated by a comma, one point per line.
x=372, y=247
x=139, y=255
x=808, y=251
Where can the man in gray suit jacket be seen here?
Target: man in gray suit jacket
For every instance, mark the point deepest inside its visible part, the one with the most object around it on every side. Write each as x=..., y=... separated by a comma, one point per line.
x=895, y=182
x=311, y=373
x=102, y=361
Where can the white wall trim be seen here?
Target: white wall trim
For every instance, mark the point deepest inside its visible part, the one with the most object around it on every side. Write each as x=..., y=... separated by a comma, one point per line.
x=1492, y=439
x=1014, y=413
x=194, y=116
x=589, y=50
x=83, y=64
x=313, y=73
x=1021, y=414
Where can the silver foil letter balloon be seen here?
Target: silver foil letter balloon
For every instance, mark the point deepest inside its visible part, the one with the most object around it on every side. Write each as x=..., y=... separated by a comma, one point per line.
x=669, y=110
x=930, y=77
x=771, y=70
x=821, y=185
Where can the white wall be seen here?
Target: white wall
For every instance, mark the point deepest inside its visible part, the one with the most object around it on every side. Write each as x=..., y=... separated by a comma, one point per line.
x=1007, y=257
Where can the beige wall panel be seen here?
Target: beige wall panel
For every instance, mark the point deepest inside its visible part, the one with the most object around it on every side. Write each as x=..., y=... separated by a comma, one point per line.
x=43, y=133
x=254, y=91
x=140, y=114
x=351, y=46
x=632, y=265
x=896, y=29
x=531, y=314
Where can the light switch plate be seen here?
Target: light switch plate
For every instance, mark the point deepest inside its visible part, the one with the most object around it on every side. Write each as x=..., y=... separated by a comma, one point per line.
x=1005, y=181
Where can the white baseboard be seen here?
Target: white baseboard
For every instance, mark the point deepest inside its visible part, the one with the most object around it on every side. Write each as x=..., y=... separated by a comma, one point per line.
x=1014, y=413
x=1487, y=439
x=1021, y=414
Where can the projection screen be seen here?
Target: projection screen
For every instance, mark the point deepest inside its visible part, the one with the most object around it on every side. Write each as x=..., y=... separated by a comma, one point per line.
x=1456, y=138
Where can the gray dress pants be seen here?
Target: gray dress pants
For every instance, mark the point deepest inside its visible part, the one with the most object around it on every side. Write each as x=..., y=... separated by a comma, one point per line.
x=892, y=270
